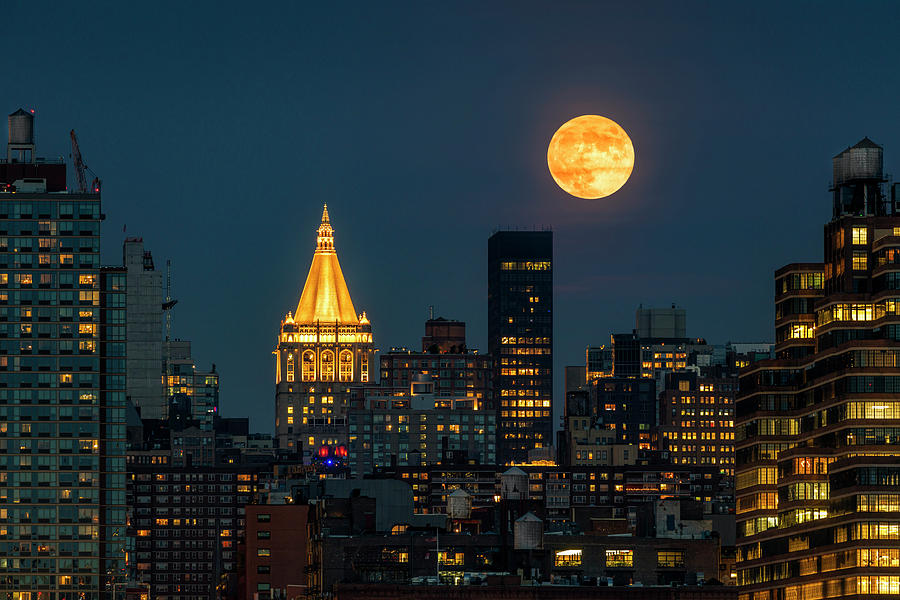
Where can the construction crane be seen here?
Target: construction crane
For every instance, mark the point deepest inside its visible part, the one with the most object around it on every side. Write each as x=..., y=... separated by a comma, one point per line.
x=80, y=168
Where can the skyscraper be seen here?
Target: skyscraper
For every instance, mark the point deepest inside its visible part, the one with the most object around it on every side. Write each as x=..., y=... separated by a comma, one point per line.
x=520, y=338
x=145, y=319
x=818, y=513
x=323, y=349
x=62, y=385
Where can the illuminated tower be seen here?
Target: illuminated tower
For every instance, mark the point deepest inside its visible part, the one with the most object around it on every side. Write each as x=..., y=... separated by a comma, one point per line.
x=520, y=338
x=817, y=463
x=324, y=348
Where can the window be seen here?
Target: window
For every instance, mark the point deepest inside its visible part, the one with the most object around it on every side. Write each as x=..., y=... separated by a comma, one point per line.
x=263, y=569
x=568, y=558
x=263, y=535
x=263, y=552
x=620, y=559
x=449, y=557
x=346, y=365
x=309, y=366
x=860, y=260
x=880, y=584
x=670, y=558
x=290, y=367
x=398, y=556
x=801, y=332
x=860, y=236
x=327, y=365
x=263, y=518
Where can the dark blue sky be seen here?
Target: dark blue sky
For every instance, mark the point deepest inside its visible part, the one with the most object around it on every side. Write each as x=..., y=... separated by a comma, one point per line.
x=220, y=129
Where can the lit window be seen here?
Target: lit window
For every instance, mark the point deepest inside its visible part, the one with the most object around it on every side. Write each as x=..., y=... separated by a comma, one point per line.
x=451, y=558
x=568, y=558
x=860, y=236
x=619, y=558
x=346, y=365
x=309, y=366
x=670, y=558
x=860, y=260
x=327, y=365
x=801, y=331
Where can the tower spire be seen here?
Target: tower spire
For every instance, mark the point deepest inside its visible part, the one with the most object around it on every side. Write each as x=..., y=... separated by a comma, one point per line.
x=325, y=296
x=325, y=239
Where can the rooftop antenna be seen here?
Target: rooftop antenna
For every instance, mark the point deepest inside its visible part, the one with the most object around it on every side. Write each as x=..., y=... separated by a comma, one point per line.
x=431, y=312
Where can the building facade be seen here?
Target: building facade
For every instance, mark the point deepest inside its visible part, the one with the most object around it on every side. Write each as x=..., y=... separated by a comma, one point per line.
x=520, y=339
x=625, y=406
x=818, y=513
x=62, y=386
x=417, y=427
x=145, y=325
x=455, y=370
x=275, y=551
x=189, y=390
x=696, y=416
x=323, y=349
x=187, y=524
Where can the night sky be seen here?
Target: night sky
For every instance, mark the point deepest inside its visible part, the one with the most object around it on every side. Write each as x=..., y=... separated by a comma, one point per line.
x=219, y=131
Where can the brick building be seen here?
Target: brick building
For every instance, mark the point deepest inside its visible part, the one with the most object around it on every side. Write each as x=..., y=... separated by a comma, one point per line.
x=275, y=551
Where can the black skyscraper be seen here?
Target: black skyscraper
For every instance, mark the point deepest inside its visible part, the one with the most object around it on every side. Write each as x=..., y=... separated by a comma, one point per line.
x=520, y=338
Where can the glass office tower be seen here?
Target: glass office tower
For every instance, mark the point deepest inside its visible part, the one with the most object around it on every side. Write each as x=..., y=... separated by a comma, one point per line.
x=62, y=387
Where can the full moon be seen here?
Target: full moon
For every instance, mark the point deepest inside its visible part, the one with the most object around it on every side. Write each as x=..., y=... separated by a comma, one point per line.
x=590, y=157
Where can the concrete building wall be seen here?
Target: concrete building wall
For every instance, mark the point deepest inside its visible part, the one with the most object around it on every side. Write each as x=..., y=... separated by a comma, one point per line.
x=145, y=332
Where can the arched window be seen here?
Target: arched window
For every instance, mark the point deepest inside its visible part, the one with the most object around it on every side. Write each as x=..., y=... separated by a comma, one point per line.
x=327, y=365
x=290, y=367
x=364, y=370
x=346, y=365
x=309, y=366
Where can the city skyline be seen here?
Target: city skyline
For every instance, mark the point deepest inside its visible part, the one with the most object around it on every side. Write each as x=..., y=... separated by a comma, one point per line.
x=328, y=142
x=480, y=301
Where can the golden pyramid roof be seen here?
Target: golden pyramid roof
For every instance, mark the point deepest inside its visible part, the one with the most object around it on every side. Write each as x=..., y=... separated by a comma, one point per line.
x=325, y=296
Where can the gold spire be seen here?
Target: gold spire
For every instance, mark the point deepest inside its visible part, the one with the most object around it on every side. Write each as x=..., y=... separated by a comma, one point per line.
x=325, y=296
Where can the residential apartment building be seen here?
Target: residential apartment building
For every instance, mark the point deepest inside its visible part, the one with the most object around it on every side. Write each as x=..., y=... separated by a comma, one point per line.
x=62, y=384
x=818, y=514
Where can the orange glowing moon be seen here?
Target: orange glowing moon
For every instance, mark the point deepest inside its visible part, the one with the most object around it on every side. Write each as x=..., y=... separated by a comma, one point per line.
x=590, y=157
